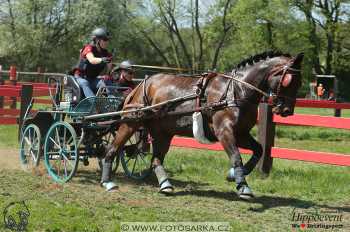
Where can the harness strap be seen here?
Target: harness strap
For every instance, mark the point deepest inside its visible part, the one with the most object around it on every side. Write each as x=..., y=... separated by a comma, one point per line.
x=146, y=101
x=246, y=84
x=224, y=95
x=201, y=87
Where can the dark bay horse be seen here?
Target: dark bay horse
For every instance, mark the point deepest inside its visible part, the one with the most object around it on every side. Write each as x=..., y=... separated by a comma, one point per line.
x=270, y=72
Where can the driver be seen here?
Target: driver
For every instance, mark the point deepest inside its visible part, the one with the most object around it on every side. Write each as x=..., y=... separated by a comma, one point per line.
x=123, y=82
x=93, y=59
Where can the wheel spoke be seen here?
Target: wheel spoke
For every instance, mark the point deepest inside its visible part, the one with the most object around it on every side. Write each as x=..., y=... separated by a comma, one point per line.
x=59, y=166
x=68, y=161
x=58, y=137
x=133, y=168
x=70, y=140
x=58, y=146
x=127, y=161
x=27, y=141
x=64, y=134
x=65, y=168
x=140, y=169
x=36, y=143
x=144, y=161
x=33, y=155
x=29, y=134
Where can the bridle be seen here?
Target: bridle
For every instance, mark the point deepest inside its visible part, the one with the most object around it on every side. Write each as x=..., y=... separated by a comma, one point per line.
x=271, y=97
x=283, y=81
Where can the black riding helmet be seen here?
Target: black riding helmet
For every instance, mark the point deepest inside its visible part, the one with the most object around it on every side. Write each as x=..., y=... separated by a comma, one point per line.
x=100, y=33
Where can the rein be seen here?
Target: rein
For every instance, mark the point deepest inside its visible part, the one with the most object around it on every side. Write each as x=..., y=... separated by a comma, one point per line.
x=271, y=96
x=245, y=83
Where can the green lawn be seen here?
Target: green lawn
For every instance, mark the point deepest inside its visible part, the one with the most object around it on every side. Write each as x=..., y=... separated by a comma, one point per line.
x=8, y=136
x=202, y=194
x=319, y=111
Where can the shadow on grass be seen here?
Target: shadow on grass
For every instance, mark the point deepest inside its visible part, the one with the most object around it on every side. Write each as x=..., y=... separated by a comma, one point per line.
x=191, y=189
x=266, y=202
x=90, y=177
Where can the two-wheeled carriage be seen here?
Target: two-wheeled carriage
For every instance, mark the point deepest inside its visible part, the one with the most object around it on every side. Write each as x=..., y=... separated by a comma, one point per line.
x=62, y=136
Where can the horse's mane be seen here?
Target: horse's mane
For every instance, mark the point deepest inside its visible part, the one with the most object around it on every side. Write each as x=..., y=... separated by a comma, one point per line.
x=259, y=57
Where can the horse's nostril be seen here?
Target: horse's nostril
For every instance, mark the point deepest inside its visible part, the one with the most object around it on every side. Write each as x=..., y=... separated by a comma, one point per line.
x=287, y=111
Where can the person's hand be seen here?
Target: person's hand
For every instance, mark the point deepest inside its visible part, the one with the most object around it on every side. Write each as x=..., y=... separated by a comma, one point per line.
x=106, y=60
x=107, y=77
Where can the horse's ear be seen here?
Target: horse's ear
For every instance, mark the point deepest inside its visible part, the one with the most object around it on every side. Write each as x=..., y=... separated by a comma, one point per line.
x=298, y=59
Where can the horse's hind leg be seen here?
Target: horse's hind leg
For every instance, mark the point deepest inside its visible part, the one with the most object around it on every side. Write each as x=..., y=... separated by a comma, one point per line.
x=248, y=142
x=124, y=132
x=224, y=132
x=161, y=146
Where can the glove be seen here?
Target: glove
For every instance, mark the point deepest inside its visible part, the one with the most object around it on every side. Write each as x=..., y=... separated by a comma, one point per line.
x=106, y=60
x=107, y=77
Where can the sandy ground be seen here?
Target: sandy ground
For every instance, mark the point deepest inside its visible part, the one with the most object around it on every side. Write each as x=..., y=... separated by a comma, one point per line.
x=9, y=159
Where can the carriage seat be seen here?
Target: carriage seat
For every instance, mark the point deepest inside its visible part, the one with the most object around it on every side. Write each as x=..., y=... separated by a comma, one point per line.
x=72, y=91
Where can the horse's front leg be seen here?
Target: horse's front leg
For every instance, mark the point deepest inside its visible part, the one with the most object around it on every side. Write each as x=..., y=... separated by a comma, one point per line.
x=224, y=132
x=248, y=142
x=124, y=132
x=161, y=144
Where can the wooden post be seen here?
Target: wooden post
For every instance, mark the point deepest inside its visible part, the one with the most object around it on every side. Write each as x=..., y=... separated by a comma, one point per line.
x=1, y=83
x=266, y=136
x=13, y=81
x=40, y=78
x=26, y=97
x=337, y=112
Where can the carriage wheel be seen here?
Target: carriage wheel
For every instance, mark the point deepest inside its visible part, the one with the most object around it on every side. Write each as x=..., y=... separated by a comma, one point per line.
x=61, y=152
x=108, y=139
x=30, y=150
x=136, y=157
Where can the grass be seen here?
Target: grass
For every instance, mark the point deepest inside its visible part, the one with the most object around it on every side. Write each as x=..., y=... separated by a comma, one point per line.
x=8, y=136
x=202, y=194
x=319, y=111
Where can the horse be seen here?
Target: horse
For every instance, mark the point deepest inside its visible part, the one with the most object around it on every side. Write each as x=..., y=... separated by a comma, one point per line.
x=266, y=74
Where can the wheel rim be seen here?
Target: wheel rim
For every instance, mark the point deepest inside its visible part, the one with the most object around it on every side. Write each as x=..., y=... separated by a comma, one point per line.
x=135, y=161
x=30, y=150
x=61, y=152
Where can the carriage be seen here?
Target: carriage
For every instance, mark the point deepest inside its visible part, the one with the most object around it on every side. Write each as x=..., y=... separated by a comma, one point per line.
x=62, y=136
x=77, y=130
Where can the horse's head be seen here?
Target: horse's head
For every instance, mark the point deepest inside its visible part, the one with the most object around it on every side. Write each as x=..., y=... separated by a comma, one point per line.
x=284, y=80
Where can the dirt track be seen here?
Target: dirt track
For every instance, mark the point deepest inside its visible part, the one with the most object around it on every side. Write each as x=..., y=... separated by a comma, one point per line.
x=9, y=159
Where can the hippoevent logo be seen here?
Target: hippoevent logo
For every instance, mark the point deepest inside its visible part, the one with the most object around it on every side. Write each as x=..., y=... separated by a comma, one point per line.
x=16, y=216
x=315, y=218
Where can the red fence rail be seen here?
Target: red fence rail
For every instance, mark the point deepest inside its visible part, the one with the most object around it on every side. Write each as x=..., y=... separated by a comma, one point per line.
x=286, y=153
x=266, y=125
x=13, y=91
x=321, y=104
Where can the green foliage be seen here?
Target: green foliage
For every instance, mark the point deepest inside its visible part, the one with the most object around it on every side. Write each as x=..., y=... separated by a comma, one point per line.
x=50, y=33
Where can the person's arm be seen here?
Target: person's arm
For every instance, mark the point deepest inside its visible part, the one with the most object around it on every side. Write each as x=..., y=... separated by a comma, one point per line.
x=92, y=59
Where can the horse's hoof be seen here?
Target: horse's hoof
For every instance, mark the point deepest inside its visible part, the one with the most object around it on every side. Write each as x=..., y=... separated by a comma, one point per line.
x=245, y=193
x=166, y=187
x=110, y=186
x=231, y=175
x=167, y=191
